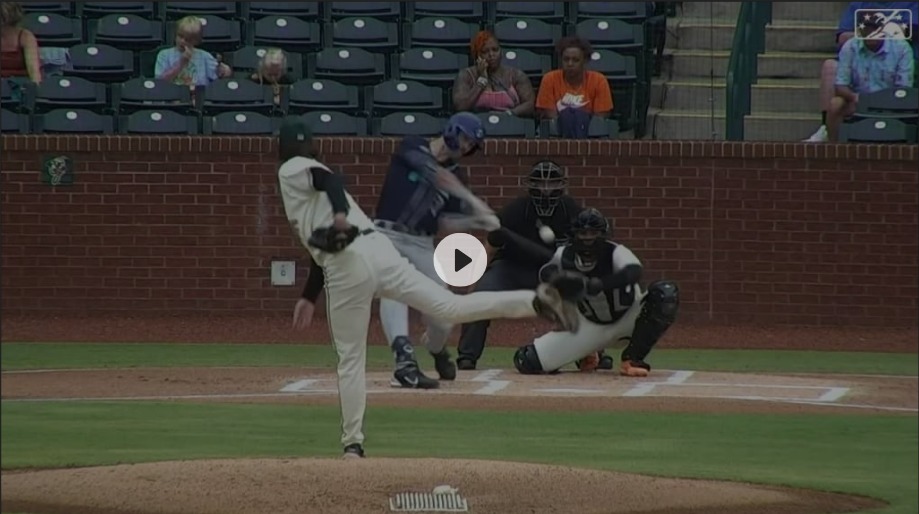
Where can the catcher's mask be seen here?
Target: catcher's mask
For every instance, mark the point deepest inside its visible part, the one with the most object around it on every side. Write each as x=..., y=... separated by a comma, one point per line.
x=546, y=184
x=588, y=231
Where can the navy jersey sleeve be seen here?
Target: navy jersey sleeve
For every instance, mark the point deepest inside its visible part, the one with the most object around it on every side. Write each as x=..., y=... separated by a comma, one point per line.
x=414, y=152
x=455, y=204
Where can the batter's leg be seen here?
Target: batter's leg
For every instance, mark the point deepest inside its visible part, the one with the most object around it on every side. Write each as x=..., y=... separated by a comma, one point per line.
x=349, y=293
x=552, y=350
x=497, y=277
x=436, y=330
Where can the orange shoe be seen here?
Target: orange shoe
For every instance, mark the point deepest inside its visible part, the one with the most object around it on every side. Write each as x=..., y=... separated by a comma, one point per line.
x=634, y=369
x=589, y=363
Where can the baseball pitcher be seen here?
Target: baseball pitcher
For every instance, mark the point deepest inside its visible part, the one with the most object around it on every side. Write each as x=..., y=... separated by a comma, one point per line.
x=614, y=309
x=359, y=264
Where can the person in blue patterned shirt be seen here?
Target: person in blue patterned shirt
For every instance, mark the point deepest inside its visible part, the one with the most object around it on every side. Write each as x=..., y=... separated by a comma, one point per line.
x=867, y=66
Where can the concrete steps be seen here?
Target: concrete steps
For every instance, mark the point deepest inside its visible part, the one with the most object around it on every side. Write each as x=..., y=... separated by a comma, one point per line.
x=700, y=125
x=786, y=36
x=809, y=11
x=680, y=63
x=769, y=95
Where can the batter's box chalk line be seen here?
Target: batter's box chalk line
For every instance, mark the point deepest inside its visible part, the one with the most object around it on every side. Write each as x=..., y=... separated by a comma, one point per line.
x=428, y=502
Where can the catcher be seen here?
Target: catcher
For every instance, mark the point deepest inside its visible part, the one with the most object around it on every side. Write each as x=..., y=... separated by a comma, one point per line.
x=360, y=264
x=615, y=309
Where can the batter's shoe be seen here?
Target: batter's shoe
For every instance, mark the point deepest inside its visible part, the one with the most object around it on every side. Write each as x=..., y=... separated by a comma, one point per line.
x=630, y=368
x=444, y=365
x=353, y=451
x=411, y=377
x=606, y=362
x=550, y=305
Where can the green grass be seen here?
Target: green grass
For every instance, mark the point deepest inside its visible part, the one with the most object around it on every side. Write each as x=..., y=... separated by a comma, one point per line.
x=23, y=356
x=868, y=455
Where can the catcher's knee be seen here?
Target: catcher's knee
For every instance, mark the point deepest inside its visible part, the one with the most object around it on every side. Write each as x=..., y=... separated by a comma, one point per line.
x=527, y=361
x=658, y=312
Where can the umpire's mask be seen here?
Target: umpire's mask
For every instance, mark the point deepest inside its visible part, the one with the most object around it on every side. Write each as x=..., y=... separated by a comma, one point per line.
x=546, y=185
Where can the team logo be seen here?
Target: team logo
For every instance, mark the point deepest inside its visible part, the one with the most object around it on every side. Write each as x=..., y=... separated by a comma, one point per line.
x=57, y=171
x=884, y=24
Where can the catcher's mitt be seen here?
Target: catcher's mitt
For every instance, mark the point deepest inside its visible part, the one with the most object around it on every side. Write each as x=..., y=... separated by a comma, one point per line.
x=333, y=240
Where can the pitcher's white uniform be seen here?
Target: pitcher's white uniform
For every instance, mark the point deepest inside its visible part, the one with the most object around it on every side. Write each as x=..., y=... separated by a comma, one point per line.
x=606, y=318
x=371, y=267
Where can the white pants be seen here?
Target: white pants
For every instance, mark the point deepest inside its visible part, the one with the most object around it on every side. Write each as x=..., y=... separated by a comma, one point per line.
x=419, y=250
x=372, y=267
x=556, y=349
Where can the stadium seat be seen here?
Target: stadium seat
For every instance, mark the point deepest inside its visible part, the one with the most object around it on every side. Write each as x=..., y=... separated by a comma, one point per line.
x=308, y=11
x=127, y=31
x=390, y=11
x=613, y=65
x=464, y=11
x=8, y=98
x=612, y=34
x=218, y=34
x=52, y=29
x=241, y=123
x=68, y=92
x=432, y=66
x=72, y=121
x=362, y=32
x=230, y=94
x=404, y=95
x=315, y=94
x=532, y=65
x=400, y=124
x=439, y=32
x=247, y=59
x=549, y=12
x=176, y=10
x=95, y=10
x=146, y=93
x=897, y=102
x=334, y=123
x=37, y=6
x=532, y=34
x=503, y=125
x=875, y=130
x=14, y=122
x=626, y=11
x=347, y=65
x=101, y=63
x=599, y=128
x=285, y=32
x=158, y=122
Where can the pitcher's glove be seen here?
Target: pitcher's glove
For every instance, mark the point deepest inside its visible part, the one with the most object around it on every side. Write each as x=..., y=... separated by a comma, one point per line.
x=333, y=240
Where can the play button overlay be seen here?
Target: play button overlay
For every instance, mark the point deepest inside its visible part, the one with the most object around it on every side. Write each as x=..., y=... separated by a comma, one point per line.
x=460, y=260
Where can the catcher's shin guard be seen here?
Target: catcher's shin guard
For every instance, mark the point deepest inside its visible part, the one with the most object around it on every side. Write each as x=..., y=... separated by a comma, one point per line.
x=527, y=361
x=658, y=312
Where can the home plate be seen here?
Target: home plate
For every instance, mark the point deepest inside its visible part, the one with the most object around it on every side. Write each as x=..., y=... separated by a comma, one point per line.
x=569, y=391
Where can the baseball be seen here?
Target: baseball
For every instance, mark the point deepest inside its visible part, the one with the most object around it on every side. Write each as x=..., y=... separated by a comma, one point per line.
x=546, y=234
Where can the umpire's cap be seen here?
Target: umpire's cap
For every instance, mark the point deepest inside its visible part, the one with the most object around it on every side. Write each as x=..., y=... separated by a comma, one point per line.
x=294, y=138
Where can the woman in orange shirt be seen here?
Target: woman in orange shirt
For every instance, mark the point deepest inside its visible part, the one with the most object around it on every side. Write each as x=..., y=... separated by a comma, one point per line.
x=574, y=94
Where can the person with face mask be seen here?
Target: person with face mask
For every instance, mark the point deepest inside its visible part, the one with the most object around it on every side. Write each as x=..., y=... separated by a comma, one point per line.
x=545, y=209
x=573, y=94
x=615, y=309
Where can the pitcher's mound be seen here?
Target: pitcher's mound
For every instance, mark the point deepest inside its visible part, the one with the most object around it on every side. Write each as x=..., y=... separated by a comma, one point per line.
x=365, y=486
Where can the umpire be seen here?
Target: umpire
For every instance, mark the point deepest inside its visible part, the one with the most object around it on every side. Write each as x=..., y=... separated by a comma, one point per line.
x=513, y=267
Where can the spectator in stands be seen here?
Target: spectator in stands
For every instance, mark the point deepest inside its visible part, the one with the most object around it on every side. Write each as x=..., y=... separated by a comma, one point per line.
x=272, y=70
x=186, y=65
x=490, y=86
x=19, y=52
x=573, y=94
x=867, y=66
x=844, y=32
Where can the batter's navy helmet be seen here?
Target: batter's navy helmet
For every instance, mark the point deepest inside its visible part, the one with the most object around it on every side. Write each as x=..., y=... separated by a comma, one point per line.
x=464, y=123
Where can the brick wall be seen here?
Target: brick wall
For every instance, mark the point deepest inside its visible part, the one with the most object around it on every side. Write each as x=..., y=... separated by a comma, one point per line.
x=753, y=232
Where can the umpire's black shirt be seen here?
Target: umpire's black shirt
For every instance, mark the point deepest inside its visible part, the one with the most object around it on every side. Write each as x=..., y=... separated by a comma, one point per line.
x=520, y=216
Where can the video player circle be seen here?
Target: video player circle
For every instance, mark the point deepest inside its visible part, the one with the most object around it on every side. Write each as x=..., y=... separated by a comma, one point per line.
x=460, y=260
